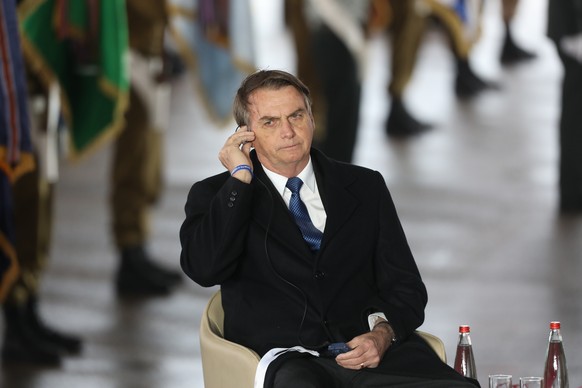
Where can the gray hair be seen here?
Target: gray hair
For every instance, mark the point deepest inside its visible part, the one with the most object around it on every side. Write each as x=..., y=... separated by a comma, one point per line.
x=265, y=79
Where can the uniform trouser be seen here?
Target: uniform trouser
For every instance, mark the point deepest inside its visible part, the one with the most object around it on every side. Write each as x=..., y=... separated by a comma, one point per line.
x=453, y=25
x=306, y=71
x=136, y=175
x=508, y=10
x=407, y=29
x=302, y=36
x=33, y=205
x=570, y=181
x=338, y=73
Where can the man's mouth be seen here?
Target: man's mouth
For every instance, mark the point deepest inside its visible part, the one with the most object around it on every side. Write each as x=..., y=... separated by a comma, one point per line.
x=289, y=146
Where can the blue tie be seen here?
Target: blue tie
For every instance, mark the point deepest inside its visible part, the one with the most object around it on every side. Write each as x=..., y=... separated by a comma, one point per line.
x=310, y=233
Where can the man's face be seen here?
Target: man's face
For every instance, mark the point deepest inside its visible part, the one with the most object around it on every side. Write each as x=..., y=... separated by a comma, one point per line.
x=283, y=128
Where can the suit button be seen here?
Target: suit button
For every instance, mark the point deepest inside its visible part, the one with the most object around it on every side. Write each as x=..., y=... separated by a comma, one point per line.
x=230, y=204
x=232, y=199
x=234, y=192
x=319, y=275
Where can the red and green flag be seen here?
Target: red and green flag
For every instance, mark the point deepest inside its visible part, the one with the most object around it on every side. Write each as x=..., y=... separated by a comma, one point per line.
x=82, y=45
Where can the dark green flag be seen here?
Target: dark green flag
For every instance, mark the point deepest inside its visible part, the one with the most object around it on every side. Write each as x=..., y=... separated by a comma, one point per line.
x=83, y=45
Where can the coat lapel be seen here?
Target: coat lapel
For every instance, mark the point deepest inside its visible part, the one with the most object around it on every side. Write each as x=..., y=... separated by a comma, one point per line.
x=334, y=188
x=272, y=214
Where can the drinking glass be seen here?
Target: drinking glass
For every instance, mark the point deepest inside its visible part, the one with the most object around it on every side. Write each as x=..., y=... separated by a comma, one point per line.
x=531, y=382
x=500, y=381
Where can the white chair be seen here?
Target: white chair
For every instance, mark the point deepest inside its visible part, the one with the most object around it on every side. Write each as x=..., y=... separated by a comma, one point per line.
x=226, y=364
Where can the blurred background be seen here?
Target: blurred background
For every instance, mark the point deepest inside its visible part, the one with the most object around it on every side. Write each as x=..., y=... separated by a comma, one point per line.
x=477, y=196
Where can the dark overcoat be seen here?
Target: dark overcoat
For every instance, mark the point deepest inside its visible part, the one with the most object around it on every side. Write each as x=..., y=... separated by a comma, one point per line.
x=277, y=293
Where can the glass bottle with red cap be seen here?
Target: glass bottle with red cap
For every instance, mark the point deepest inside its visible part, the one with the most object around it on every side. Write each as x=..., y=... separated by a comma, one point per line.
x=464, y=359
x=555, y=371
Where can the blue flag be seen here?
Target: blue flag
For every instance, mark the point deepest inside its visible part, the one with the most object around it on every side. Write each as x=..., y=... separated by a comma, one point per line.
x=15, y=144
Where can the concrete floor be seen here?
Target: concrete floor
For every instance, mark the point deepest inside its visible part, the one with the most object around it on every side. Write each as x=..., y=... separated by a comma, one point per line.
x=476, y=195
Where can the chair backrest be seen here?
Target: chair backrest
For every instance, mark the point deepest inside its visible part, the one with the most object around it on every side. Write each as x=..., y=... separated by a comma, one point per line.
x=226, y=364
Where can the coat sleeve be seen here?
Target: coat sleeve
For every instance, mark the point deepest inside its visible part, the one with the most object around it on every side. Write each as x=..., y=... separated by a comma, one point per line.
x=402, y=293
x=212, y=236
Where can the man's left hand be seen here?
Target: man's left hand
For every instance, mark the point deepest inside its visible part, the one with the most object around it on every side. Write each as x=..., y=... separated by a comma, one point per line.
x=367, y=349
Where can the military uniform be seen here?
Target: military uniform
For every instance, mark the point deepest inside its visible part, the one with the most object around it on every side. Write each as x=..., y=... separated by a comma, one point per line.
x=136, y=175
x=510, y=52
x=27, y=339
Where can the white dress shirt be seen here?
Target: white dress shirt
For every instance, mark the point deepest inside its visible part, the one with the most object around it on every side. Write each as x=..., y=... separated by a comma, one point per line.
x=309, y=194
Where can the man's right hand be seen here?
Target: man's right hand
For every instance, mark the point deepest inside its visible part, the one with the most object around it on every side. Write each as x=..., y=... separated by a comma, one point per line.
x=235, y=152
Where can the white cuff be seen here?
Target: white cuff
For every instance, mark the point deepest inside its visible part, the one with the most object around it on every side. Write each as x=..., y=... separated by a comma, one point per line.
x=374, y=318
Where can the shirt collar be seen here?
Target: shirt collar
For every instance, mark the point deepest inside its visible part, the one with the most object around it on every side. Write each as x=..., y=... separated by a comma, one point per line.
x=306, y=175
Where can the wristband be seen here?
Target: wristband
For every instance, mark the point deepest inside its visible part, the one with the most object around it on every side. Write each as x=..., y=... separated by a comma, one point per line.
x=242, y=167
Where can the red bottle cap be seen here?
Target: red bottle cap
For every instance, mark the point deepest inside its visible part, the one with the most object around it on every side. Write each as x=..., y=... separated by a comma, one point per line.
x=464, y=329
x=554, y=325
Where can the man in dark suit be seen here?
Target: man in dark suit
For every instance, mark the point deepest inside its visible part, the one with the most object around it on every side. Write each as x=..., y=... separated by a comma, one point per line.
x=565, y=30
x=345, y=274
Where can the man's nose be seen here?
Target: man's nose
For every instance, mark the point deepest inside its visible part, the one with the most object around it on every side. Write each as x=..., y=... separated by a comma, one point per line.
x=287, y=129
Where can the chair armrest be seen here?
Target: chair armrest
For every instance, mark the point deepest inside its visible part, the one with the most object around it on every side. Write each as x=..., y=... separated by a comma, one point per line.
x=435, y=343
